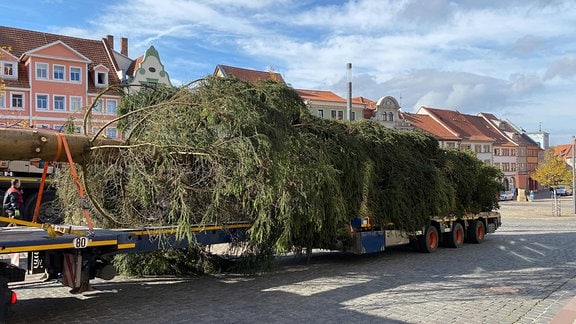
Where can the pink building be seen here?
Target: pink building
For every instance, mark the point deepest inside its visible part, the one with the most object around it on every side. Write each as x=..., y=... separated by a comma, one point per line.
x=47, y=80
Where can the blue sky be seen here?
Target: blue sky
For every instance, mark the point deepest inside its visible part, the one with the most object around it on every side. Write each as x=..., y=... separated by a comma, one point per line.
x=513, y=58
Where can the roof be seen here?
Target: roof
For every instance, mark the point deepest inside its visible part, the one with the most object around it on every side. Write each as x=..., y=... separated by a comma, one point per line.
x=248, y=75
x=563, y=150
x=135, y=64
x=510, y=131
x=465, y=126
x=320, y=95
x=430, y=126
x=21, y=41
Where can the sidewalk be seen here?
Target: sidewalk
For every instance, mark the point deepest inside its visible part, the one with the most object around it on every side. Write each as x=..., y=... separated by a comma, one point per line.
x=567, y=314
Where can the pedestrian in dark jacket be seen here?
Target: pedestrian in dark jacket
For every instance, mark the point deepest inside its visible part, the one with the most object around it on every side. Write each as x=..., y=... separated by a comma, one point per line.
x=13, y=199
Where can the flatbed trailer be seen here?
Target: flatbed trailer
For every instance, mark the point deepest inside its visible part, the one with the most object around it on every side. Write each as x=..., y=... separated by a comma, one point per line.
x=450, y=231
x=79, y=254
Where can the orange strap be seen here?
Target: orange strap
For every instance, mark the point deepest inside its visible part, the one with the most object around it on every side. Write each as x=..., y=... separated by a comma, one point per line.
x=43, y=181
x=83, y=200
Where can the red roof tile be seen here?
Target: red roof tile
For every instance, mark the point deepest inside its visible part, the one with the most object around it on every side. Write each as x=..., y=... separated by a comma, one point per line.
x=563, y=150
x=429, y=125
x=248, y=75
x=461, y=124
x=320, y=95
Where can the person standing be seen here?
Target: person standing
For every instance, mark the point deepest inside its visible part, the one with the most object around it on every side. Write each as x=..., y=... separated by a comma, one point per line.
x=13, y=199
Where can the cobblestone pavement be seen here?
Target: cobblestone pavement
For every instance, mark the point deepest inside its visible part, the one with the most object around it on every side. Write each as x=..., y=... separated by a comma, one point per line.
x=524, y=273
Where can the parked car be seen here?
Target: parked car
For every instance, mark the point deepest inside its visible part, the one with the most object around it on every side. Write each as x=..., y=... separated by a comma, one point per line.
x=506, y=195
x=563, y=191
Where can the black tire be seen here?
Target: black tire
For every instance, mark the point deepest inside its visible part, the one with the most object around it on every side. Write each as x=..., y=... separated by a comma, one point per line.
x=428, y=242
x=50, y=211
x=455, y=239
x=476, y=232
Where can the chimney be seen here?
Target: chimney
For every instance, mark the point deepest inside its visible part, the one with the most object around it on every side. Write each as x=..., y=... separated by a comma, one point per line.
x=110, y=40
x=124, y=46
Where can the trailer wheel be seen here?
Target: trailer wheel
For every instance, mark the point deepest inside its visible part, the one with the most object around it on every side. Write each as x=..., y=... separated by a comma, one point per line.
x=50, y=211
x=428, y=242
x=455, y=239
x=476, y=232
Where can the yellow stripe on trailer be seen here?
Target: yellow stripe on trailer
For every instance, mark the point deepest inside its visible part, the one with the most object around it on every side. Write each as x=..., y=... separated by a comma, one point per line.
x=172, y=230
x=123, y=246
x=55, y=246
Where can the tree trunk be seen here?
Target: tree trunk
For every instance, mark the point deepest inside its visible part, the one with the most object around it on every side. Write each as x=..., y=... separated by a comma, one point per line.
x=34, y=144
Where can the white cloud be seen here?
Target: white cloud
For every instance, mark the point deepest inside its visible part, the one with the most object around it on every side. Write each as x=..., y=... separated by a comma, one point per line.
x=512, y=58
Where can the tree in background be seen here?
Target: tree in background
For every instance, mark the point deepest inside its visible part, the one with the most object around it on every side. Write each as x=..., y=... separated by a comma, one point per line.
x=553, y=172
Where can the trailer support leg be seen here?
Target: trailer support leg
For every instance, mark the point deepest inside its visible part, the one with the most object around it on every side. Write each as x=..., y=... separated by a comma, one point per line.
x=75, y=275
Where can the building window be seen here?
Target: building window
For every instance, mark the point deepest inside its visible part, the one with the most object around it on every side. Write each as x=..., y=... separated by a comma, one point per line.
x=505, y=152
x=2, y=99
x=465, y=147
x=384, y=117
x=17, y=100
x=75, y=74
x=477, y=148
x=8, y=69
x=42, y=71
x=352, y=115
x=101, y=78
x=59, y=103
x=320, y=113
x=111, y=132
x=486, y=148
x=497, y=151
x=333, y=114
x=58, y=72
x=75, y=104
x=59, y=128
x=111, y=107
x=41, y=102
x=340, y=115
x=97, y=106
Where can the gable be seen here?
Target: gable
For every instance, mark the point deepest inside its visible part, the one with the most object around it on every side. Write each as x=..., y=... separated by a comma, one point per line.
x=57, y=50
x=101, y=68
x=5, y=54
x=151, y=70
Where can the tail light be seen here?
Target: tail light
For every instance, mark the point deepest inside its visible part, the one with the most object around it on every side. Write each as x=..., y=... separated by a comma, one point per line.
x=13, y=298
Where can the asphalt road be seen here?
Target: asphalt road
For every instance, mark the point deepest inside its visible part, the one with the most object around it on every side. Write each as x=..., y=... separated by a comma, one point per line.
x=523, y=273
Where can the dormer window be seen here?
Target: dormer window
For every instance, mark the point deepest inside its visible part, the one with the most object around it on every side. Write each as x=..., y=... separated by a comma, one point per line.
x=101, y=79
x=101, y=76
x=9, y=70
